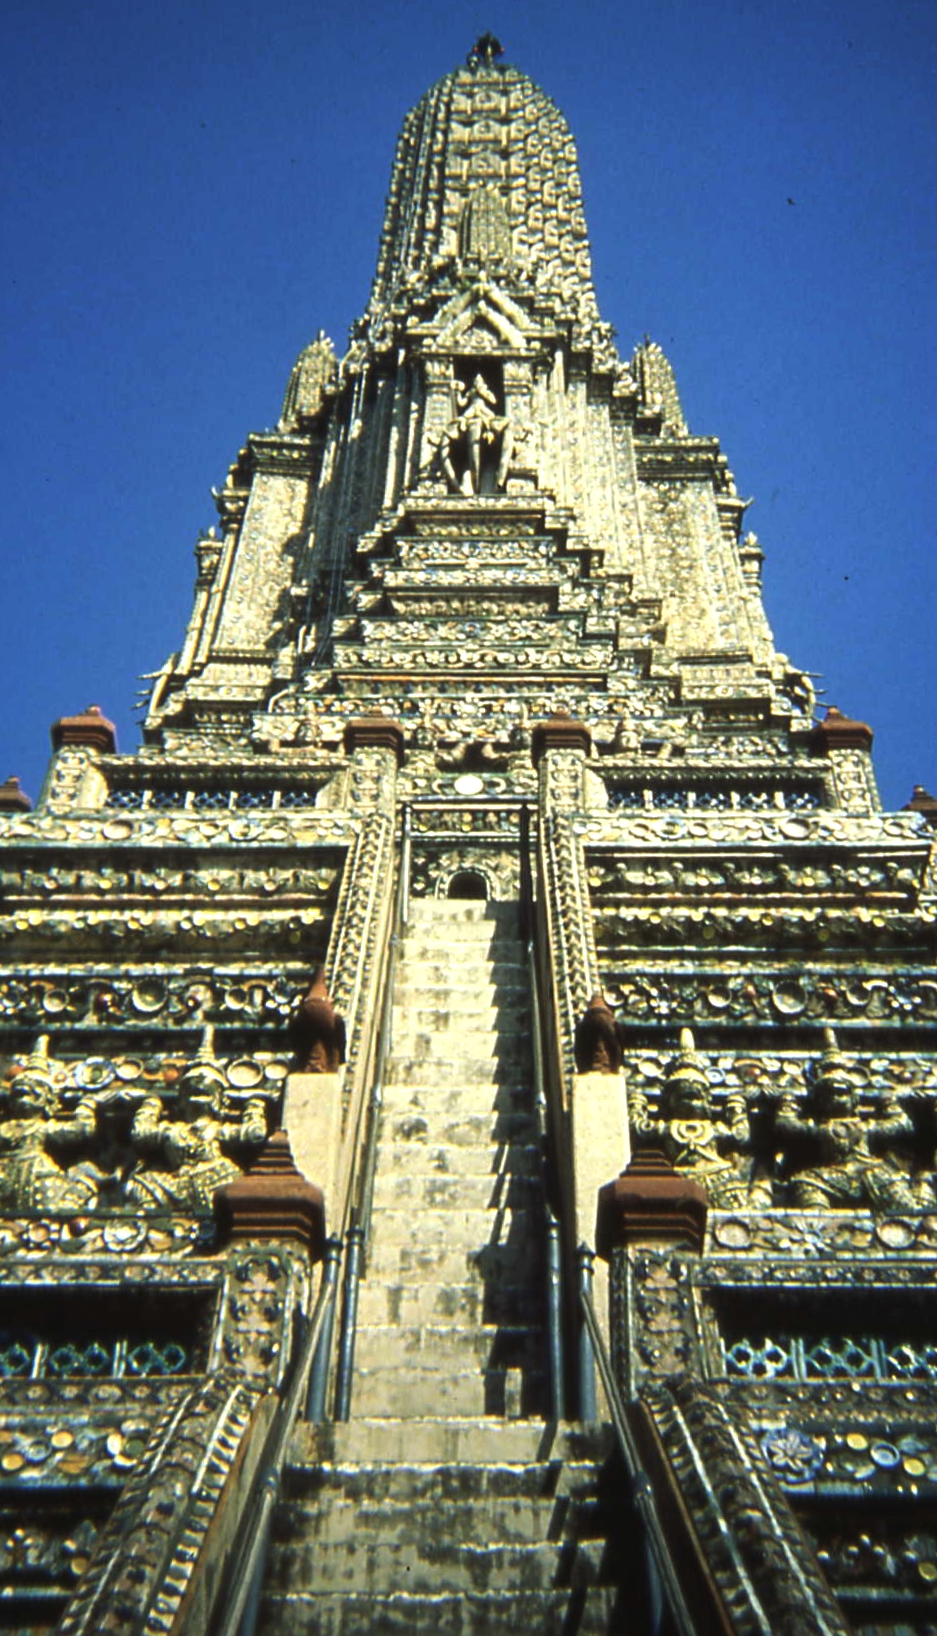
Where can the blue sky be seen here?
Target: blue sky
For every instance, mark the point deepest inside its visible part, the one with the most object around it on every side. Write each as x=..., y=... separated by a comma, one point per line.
x=189, y=193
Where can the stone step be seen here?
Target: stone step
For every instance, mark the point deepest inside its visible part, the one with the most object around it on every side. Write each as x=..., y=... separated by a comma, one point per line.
x=439, y=1614
x=443, y=1262
x=469, y=934
x=448, y=1346
x=447, y=910
x=472, y=1028
x=437, y=969
x=440, y=1508
x=474, y=1229
x=485, y=1192
x=458, y=1073
x=466, y=1005
x=465, y=980
x=464, y=972
x=425, y=1565
x=476, y=1301
x=445, y=1093
x=418, y=1391
x=463, y=1011
x=472, y=952
x=459, y=1054
x=503, y=912
x=462, y=1056
x=449, y=1440
x=411, y=1157
x=485, y=1004
x=549, y=1486
x=463, y=968
x=474, y=940
x=481, y=1006
x=484, y=1131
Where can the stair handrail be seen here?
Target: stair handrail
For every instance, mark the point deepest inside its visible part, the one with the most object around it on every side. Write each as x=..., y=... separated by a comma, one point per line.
x=642, y=1494
x=385, y=1037
x=243, y=1600
x=359, y=1231
x=554, y=1254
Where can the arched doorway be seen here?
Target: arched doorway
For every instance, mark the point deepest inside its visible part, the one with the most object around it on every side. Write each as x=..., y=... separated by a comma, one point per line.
x=468, y=884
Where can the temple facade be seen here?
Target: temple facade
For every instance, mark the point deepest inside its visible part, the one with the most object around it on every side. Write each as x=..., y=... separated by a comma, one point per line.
x=468, y=1125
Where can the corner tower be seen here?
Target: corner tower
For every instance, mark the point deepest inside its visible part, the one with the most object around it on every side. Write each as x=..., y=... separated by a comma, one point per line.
x=468, y=1138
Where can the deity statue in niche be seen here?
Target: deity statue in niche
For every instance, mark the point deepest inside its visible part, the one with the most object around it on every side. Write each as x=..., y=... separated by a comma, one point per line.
x=186, y=1157
x=835, y=1156
x=714, y=1147
x=35, y=1144
x=478, y=445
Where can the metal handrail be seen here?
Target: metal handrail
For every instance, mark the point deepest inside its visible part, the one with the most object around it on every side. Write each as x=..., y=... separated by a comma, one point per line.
x=554, y=1256
x=319, y=1377
x=642, y=1494
x=243, y=1600
x=359, y=1231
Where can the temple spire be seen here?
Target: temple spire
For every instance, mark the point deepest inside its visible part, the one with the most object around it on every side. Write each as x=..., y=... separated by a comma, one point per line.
x=486, y=50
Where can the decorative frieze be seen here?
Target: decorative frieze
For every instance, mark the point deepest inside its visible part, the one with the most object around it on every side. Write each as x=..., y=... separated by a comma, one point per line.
x=764, y=992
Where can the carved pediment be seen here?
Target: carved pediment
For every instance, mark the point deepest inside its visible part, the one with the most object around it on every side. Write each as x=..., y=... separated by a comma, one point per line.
x=481, y=319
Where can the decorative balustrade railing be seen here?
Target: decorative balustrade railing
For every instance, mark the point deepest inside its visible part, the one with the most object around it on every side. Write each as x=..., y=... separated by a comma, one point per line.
x=662, y=1587
x=831, y=1357
x=714, y=797
x=28, y=1358
x=238, y=1604
x=356, y=1242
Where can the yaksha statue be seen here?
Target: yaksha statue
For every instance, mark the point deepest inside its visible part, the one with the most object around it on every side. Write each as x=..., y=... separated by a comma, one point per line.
x=714, y=1148
x=186, y=1158
x=34, y=1144
x=837, y=1156
x=477, y=430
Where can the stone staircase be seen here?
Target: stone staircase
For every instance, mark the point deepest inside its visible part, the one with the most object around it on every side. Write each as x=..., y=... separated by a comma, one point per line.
x=446, y=1528
x=448, y=1505
x=451, y=1316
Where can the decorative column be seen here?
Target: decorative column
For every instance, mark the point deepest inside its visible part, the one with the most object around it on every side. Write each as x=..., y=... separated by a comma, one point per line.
x=848, y=745
x=13, y=797
x=438, y=410
x=73, y=779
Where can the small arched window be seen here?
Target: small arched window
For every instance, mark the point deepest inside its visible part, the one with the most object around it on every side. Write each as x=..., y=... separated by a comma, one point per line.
x=470, y=884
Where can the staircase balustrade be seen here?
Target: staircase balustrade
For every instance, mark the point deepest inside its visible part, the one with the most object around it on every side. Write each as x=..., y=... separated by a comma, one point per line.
x=241, y=1603
x=360, y=1228
x=663, y=1589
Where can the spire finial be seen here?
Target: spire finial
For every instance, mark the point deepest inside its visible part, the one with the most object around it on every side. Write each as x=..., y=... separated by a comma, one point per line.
x=485, y=51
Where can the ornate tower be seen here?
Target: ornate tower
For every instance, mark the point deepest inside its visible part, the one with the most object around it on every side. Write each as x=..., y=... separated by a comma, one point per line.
x=468, y=1134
